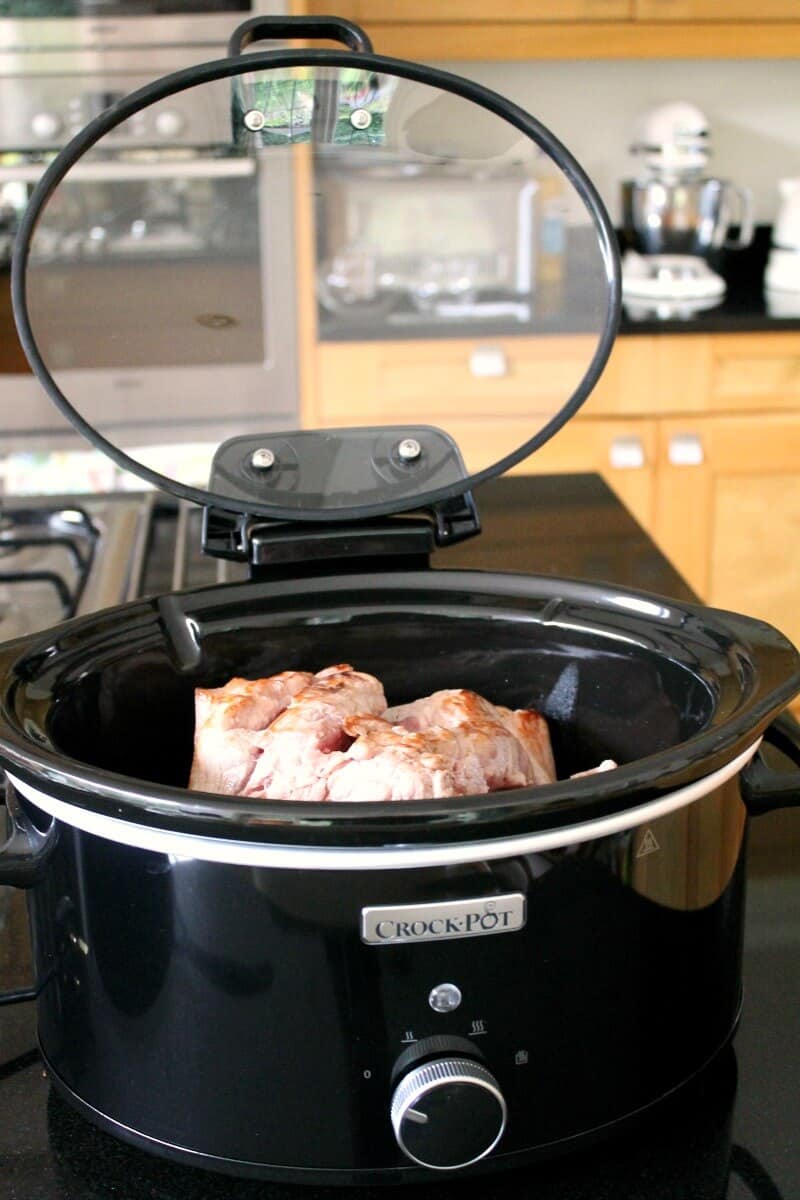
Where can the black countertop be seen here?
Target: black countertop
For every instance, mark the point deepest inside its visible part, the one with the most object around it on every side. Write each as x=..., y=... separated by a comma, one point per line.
x=744, y=309
x=732, y=1136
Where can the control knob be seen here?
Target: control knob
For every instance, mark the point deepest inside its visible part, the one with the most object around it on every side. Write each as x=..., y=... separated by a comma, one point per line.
x=448, y=1113
x=45, y=126
x=169, y=123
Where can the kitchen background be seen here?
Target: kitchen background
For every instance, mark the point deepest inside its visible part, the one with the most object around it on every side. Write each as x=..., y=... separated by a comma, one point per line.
x=753, y=109
x=695, y=423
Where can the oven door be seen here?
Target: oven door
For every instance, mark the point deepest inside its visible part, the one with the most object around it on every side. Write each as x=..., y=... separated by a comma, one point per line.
x=208, y=226
x=104, y=24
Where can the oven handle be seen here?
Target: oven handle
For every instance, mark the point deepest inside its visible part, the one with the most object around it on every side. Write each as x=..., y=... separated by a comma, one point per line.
x=25, y=855
x=334, y=29
x=763, y=787
x=117, y=170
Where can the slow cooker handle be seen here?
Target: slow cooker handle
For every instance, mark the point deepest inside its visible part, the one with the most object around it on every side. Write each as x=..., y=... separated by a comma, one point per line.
x=764, y=788
x=26, y=853
x=747, y=1168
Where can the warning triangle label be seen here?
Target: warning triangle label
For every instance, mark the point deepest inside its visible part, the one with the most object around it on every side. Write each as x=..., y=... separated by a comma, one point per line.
x=648, y=845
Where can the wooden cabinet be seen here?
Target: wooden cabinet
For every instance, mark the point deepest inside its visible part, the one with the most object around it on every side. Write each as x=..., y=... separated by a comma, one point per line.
x=493, y=396
x=715, y=10
x=424, y=13
x=698, y=434
x=471, y=30
x=727, y=511
x=442, y=379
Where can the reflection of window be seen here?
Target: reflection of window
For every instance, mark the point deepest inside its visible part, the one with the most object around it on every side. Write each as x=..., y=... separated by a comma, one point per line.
x=309, y=103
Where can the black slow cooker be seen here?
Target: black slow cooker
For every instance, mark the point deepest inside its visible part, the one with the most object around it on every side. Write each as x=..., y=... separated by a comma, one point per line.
x=368, y=992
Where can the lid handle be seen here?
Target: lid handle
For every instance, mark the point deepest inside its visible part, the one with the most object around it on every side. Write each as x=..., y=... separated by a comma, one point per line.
x=335, y=29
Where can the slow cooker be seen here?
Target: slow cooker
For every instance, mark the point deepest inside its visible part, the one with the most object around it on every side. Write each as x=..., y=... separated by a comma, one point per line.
x=366, y=992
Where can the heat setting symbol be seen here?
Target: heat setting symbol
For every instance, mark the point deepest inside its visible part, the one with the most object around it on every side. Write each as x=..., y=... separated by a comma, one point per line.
x=648, y=845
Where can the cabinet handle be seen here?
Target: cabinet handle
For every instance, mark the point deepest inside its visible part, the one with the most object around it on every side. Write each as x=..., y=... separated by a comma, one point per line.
x=488, y=362
x=685, y=450
x=627, y=453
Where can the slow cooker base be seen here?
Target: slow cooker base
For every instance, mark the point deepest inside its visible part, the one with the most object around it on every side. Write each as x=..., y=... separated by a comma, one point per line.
x=371, y=1176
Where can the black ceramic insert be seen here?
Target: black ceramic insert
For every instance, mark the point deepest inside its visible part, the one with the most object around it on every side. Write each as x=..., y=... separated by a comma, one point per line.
x=670, y=690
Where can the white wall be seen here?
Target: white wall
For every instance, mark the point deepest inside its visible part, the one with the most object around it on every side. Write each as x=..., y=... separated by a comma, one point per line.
x=753, y=108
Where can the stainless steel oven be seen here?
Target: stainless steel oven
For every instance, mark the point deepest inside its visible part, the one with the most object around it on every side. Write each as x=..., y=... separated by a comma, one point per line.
x=42, y=25
x=172, y=186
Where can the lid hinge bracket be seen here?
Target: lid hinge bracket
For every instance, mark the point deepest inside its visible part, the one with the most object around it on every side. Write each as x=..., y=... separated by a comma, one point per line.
x=266, y=544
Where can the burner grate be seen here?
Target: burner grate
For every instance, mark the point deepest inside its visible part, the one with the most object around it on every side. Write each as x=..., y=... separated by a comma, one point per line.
x=45, y=550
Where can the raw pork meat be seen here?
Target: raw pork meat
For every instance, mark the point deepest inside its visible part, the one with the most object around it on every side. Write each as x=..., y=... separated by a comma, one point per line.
x=512, y=747
x=388, y=762
x=227, y=722
x=297, y=750
x=329, y=736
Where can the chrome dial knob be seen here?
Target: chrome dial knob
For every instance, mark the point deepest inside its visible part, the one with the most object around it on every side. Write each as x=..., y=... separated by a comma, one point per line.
x=448, y=1113
x=169, y=123
x=45, y=126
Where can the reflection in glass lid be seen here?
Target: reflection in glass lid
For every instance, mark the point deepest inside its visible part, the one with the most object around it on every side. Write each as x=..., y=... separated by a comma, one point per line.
x=438, y=267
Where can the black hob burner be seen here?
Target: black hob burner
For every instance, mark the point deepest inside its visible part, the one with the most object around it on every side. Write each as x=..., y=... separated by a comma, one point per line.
x=46, y=554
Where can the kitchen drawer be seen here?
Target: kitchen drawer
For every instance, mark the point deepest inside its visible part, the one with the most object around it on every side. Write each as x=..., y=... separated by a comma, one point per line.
x=503, y=377
x=755, y=371
x=716, y=10
x=423, y=12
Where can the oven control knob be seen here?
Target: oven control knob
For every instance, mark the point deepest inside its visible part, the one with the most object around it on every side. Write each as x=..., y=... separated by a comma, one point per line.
x=448, y=1113
x=169, y=123
x=45, y=126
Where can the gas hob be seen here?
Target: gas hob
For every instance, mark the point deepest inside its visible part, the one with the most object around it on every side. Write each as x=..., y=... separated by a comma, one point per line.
x=730, y=1136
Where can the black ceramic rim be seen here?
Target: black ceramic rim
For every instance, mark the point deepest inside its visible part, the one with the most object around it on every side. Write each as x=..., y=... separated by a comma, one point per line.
x=224, y=68
x=396, y=823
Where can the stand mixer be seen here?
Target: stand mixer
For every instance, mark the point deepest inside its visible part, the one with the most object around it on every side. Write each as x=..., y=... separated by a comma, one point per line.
x=675, y=218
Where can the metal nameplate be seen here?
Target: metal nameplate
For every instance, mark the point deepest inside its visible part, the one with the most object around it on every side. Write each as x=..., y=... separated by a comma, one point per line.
x=392, y=925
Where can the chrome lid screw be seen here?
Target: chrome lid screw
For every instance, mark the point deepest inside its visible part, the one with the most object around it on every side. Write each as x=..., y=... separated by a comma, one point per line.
x=254, y=120
x=262, y=459
x=360, y=118
x=409, y=450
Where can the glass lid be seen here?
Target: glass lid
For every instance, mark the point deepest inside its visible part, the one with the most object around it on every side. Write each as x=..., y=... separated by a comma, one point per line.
x=438, y=268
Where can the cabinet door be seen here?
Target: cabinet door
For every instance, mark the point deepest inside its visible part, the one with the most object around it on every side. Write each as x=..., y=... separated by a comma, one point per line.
x=622, y=452
x=716, y=10
x=727, y=512
x=424, y=12
x=491, y=397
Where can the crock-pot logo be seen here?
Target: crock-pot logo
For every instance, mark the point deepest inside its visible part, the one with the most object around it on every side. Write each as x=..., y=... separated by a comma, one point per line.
x=388, y=925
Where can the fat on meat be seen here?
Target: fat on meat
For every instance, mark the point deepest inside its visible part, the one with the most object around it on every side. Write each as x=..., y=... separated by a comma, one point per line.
x=297, y=752
x=227, y=723
x=608, y=764
x=512, y=747
x=389, y=762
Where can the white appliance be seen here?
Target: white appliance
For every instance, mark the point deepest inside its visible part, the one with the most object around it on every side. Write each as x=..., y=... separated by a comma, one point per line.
x=675, y=217
x=671, y=141
x=673, y=285
x=783, y=266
